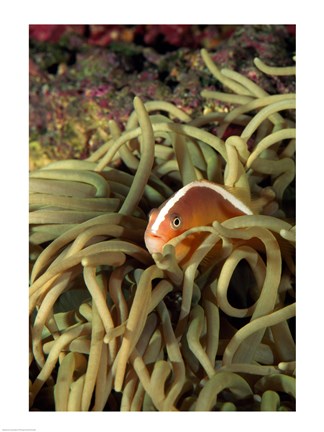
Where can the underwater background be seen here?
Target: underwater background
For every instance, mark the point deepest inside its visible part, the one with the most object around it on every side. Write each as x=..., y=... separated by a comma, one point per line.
x=121, y=117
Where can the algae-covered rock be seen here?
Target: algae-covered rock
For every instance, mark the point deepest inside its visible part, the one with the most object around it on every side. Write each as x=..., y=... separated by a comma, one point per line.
x=82, y=76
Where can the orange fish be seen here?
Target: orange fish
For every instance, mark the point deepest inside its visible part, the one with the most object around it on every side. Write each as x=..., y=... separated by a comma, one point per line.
x=199, y=203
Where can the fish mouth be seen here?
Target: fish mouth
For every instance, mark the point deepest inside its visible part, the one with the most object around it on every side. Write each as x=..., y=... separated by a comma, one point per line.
x=154, y=243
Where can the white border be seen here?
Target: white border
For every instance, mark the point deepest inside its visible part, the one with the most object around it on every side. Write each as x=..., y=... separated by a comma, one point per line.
x=16, y=15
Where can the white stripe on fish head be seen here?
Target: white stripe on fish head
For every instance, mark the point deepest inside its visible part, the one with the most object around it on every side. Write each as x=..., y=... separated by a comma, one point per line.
x=165, y=209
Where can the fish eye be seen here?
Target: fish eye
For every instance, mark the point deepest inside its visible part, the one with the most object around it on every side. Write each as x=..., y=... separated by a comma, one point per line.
x=176, y=221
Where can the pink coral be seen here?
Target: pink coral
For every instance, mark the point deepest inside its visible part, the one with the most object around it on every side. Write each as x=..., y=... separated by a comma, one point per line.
x=52, y=32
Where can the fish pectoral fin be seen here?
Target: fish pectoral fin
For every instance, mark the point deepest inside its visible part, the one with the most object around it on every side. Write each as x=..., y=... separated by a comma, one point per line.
x=211, y=258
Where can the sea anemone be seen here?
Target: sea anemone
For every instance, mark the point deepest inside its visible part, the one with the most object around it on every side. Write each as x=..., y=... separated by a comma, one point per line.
x=113, y=328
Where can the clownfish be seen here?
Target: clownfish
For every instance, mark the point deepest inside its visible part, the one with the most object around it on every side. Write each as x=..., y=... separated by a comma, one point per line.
x=199, y=203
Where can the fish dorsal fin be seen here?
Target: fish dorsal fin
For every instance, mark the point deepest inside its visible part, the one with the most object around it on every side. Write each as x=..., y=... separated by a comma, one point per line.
x=236, y=198
x=255, y=203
